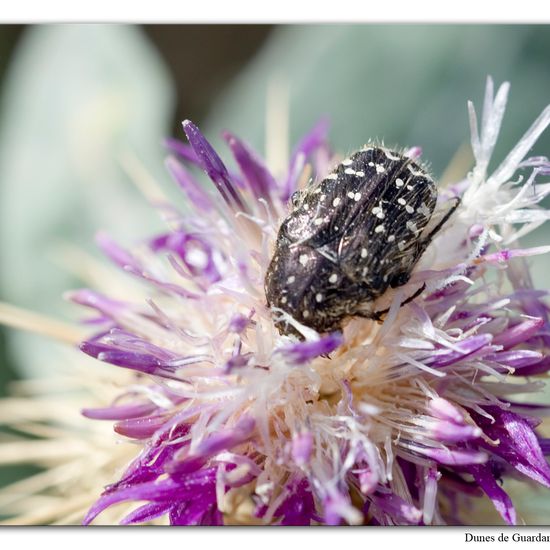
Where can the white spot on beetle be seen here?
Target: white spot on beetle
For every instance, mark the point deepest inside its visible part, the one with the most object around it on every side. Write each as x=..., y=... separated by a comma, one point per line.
x=380, y=169
x=399, y=183
x=401, y=201
x=364, y=253
x=332, y=177
x=391, y=238
x=347, y=162
x=333, y=278
x=350, y=171
x=379, y=228
x=351, y=194
x=305, y=313
x=409, y=209
x=303, y=259
x=356, y=197
x=378, y=212
x=411, y=226
x=318, y=297
x=336, y=201
x=291, y=279
x=424, y=210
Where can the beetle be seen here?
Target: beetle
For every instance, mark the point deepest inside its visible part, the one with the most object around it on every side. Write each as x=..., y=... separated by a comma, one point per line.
x=350, y=237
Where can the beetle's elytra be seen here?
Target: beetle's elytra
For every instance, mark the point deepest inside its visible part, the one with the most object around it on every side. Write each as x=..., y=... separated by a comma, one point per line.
x=348, y=238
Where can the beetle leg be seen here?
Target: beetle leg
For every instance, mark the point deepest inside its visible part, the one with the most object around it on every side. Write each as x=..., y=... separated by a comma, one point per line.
x=377, y=315
x=428, y=239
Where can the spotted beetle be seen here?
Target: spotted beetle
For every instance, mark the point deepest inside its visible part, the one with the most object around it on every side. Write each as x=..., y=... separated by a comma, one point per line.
x=350, y=237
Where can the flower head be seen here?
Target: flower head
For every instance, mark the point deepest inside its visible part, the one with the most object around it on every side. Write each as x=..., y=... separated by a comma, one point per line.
x=394, y=422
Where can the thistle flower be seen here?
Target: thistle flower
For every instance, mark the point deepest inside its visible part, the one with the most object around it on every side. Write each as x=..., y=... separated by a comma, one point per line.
x=408, y=421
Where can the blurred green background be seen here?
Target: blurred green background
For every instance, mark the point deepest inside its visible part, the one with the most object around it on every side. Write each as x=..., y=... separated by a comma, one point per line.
x=73, y=98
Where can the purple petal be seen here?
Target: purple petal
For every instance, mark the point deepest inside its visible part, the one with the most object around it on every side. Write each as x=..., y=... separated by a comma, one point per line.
x=313, y=140
x=302, y=352
x=534, y=307
x=140, y=428
x=453, y=457
x=302, y=445
x=517, y=359
x=168, y=288
x=518, y=443
x=89, y=298
x=212, y=516
x=238, y=323
x=399, y=510
x=519, y=333
x=194, y=250
x=452, y=433
x=227, y=438
x=454, y=483
x=545, y=445
x=465, y=348
x=194, y=512
x=223, y=440
x=151, y=463
x=141, y=362
x=505, y=255
x=502, y=502
x=299, y=507
x=131, y=265
x=166, y=490
x=213, y=166
x=146, y=512
x=115, y=253
x=535, y=368
x=237, y=362
x=536, y=162
x=450, y=425
x=531, y=302
x=183, y=150
x=334, y=507
x=191, y=187
x=431, y=479
x=259, y=178
x=368, y=481
x=443, y=409
x=119, y=412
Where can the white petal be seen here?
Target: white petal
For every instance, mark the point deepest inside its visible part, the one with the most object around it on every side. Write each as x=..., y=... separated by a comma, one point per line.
x=510, y=164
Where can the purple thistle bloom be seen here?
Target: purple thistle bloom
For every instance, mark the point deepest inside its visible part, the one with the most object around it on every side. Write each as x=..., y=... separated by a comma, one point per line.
x=385, y=423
